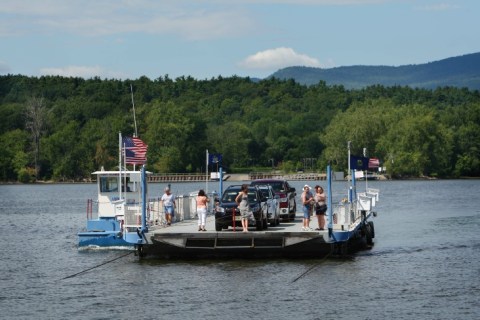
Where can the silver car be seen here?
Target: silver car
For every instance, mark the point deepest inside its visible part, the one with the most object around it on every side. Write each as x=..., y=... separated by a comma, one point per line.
x=271, y=205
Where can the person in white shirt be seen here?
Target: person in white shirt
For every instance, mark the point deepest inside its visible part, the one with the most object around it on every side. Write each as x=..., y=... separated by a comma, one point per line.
x=168, y=201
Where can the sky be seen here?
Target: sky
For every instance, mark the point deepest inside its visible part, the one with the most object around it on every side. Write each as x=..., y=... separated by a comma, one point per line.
x=205, y=39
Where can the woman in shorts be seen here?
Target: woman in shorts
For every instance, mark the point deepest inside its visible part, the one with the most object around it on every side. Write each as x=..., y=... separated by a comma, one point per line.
x=242, y=201
x=307, y=202
x=320, y=207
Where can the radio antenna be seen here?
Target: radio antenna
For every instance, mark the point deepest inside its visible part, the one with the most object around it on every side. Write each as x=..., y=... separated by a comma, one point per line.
x=134, y=119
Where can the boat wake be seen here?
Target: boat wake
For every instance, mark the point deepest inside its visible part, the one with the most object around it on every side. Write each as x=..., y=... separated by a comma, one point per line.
x=112, y=248
x=410, y=250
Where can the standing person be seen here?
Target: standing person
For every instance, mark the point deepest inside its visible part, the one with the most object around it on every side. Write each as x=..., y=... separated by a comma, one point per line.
x=168, y=201
x=242, y=201
x=202, y=200
x=320, y=207
x=307, y=202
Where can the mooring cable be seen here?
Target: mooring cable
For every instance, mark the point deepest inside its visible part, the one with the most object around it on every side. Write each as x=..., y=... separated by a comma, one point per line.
x=314, y=266
x=99, y=265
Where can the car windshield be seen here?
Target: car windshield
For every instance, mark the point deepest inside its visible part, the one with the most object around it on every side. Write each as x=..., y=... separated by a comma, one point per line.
x=265, y=193
x=230, y=195
x=278, y=187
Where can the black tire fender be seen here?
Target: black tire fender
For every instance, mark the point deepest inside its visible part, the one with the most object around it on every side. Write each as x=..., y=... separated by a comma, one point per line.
x=372, y=229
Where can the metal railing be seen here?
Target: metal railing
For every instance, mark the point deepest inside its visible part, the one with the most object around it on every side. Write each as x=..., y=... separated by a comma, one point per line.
x=185, y=209
x=347, y=214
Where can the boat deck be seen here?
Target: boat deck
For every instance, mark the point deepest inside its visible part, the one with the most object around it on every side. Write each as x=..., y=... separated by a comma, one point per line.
x=191, y=226
x=183, y=240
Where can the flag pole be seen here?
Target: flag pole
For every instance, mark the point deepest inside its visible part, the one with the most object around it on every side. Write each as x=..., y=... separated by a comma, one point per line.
x=206, y=175
x=329, y=201
x=119, y=165
x=134, y=122
x=350, y=174
x=134, y=118
x=366, y=172
x=124, y=153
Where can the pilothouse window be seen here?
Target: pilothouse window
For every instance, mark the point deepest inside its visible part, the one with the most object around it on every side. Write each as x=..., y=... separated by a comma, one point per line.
x=108, y=184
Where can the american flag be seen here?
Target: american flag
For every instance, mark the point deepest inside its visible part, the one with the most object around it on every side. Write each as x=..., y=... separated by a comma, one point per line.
x=135, y=150
x=373, y=163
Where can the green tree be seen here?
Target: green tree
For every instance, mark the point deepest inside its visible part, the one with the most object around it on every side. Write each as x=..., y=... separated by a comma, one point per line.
x=416, y=144
x=233, y=141
x=467, y=162
x=363, y=124
x=14, y=158
x=65, y=154
x=413, y=131
x=35, y=114
x=464, y=121
x=12, y=116
x=168, y=135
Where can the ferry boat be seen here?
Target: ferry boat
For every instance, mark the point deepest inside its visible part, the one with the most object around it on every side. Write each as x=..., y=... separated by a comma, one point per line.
x=349, y=228
x=120, y=194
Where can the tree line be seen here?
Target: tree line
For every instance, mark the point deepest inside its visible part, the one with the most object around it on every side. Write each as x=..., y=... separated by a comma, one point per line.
x=59, y=128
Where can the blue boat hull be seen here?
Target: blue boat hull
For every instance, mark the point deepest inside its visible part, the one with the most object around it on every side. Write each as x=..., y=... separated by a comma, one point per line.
x=102, y=239
x=105, y=232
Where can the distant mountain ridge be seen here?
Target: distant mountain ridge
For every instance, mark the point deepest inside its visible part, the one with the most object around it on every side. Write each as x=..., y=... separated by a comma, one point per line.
x=461, y=71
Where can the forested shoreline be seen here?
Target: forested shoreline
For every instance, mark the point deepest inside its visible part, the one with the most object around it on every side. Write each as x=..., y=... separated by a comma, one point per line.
x=58, y=128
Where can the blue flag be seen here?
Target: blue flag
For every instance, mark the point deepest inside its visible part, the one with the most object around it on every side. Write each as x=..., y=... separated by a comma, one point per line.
x=214, y=158
x=358, y=163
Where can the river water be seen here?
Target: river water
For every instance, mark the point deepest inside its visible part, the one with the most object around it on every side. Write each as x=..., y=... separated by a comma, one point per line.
x=425, y=264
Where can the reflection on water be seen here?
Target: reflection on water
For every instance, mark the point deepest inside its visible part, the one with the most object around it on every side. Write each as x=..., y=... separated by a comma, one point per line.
x=424, y=264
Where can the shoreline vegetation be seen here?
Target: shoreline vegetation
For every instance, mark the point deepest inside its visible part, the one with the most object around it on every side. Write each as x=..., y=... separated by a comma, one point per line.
x=233, y=177
x=56, y=128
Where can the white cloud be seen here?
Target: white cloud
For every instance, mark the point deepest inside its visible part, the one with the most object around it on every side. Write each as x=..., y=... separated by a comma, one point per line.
x=109, y=17
x=83, y=72
x=282, y=57
x=305, y=2
x=4, y=67
x=437, y=7
x=189, y=19
x=199, y=25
